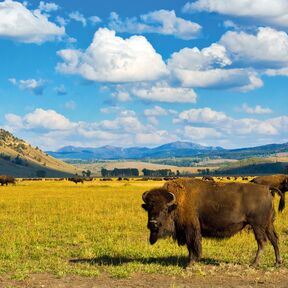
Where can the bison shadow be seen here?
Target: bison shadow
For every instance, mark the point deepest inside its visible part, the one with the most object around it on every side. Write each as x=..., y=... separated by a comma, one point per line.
x=164, y=261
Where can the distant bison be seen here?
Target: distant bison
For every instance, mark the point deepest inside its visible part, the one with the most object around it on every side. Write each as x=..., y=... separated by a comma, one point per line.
x=208, y=178
x=5, y=180
x=76, y=180
x=189, y=209
x=279, y=181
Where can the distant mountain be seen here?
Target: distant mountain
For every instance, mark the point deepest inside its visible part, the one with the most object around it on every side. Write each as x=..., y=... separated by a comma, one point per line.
x=20, y=159
x=174, y=149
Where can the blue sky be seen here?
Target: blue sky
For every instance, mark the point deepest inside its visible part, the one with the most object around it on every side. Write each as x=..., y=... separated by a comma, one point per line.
x=124, y=73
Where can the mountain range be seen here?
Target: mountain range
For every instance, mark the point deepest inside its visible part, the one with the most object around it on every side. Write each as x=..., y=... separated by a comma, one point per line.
x=174, y=149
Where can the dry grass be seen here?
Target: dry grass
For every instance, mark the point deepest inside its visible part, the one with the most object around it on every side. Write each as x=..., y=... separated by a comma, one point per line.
x=99, y=227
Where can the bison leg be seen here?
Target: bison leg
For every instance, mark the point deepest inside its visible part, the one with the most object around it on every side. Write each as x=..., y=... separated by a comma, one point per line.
x=273, y=238
x=261, y=239
x=194, y=245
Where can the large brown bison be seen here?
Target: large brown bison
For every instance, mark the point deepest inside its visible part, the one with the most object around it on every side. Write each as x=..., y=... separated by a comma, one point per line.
x=279, y=181
x=189, y=209
x=5, y=180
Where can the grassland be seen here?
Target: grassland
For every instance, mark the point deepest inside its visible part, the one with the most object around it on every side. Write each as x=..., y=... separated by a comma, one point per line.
x=99, y=228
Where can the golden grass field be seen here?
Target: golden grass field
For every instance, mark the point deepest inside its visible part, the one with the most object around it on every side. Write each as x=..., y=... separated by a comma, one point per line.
x=99, y=228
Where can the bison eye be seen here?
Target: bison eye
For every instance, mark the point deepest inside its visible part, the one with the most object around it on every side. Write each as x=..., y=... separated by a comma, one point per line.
x=145, y=207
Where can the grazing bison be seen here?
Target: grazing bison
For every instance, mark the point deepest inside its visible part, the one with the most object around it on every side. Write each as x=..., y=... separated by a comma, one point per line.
x=208, y=178
x=76, y=180
x=189, y=209
x=5, y=180
x=279, y=181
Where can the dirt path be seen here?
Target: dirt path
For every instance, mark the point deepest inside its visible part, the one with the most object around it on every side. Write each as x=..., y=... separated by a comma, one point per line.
x=277, y=279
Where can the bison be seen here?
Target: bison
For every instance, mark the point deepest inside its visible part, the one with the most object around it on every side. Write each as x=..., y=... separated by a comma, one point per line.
x=189, y=209
x=279, y=181
x=5, y=180
x=76, y=180
x=208, y=178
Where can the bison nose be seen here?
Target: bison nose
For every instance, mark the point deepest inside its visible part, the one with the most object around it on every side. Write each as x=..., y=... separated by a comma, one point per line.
x=153, y=225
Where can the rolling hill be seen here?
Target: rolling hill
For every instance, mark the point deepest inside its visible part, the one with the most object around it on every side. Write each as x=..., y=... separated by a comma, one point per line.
x=20, y=159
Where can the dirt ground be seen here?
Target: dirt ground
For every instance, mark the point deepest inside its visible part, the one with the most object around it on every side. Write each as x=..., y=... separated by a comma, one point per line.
x=261, y=279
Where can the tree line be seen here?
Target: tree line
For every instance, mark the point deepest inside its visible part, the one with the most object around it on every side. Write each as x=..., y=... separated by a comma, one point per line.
x=134, y=172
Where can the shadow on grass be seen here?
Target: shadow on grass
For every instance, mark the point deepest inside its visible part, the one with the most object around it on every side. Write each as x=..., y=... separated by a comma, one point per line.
x=164, y=261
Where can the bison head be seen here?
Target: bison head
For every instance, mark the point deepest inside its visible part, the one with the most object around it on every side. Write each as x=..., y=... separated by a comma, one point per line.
x=160, y=204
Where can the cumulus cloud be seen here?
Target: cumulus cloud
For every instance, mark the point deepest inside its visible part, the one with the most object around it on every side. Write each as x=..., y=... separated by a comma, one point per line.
x=18, y=23
x=163, y=92
x=95, y=19
x=113, y=59
x=51, y=130
x=33, y=85
x=268, y=48
x=258, y=109
x=162, y=22
x=157, y=111
x=227, y=128
x=48, y=6
x=206, y=68
x=199, y=133
x=78, y=17
x=40, y=119
x=204, y=115
x=265, y=11
x=277, y=72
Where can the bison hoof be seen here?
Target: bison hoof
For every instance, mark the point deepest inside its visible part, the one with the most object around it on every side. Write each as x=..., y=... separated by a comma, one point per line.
x=279, y=263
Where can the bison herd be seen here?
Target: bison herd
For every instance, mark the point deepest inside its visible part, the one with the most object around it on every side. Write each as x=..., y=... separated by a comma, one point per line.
x=189, y=209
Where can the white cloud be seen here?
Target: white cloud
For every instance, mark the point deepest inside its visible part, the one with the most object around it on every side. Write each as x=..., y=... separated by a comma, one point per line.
x=269, y=48
x=121, y=94
x=33, y=85
x=263, y=11
x=163, y=92
x=51, y=130
x=62, y=21
x=256, y=110
x=277, y=72
x=158, y=111
x=113, y=59
x=18, y=23
x=162, y=22
x=230, y=127
x=155, y=111
x=78, y=17
x=199, y=133
x=201, y=115
x=237, y=79
x=48, y=6
x=206, y=69
x=195, y=59
x=40, y=119
x=95, y=19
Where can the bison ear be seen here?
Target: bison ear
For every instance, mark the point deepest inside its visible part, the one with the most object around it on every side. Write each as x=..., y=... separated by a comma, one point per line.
x=145, y=207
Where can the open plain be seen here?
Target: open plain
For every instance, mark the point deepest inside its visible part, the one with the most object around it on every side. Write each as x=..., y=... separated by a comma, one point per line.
x=61, y=234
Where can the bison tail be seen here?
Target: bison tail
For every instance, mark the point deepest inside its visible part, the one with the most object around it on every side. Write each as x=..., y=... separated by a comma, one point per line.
x=282, y=198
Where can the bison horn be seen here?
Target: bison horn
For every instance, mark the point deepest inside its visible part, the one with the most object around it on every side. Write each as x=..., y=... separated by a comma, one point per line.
x=173, y=199
x=144, y=196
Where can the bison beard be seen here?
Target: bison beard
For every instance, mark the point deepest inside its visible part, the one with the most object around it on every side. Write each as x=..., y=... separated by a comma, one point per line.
x=189, y=209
